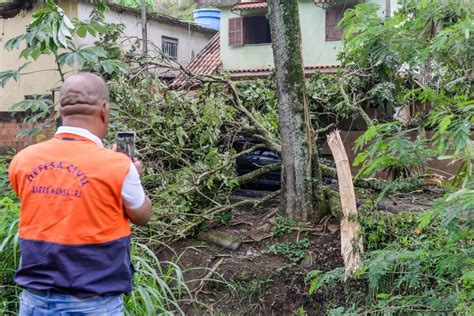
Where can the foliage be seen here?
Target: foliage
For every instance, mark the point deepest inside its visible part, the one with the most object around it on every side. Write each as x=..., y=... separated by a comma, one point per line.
x=158, y=286
x=181, y=9
x=9, y=258
x=295, y=252
x=390, y=148
x=224, y=218
x=283, y=226
x=259, y=96
x=188, y=169
x=5, y=189
x=249, y=290
x=452, y=123
x=379, y=230
x=417, y=262
x=135, y=4
x=422, y=53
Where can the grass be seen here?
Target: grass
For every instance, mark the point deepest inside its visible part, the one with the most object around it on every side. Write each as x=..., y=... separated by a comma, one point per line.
x=251, y=291
x=159, y=287
x=9, y=255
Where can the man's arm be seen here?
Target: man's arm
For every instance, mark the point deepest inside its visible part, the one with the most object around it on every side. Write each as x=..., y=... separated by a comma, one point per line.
x=140, y=216
x=137, y=204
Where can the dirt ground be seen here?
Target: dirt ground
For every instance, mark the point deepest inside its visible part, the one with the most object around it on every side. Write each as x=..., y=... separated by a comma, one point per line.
x=253, y=280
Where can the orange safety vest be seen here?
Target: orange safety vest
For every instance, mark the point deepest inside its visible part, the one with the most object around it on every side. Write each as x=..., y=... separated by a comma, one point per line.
x=74, y=233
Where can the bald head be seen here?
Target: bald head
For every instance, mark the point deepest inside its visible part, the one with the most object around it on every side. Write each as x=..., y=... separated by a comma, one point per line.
x=85, y=102
x=83, y=89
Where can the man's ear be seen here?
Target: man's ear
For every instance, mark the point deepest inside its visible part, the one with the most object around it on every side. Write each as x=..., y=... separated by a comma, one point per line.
x=105, y=112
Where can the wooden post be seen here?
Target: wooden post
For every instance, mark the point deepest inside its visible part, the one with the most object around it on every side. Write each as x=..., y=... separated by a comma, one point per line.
x=349, y=229
x=144, y=30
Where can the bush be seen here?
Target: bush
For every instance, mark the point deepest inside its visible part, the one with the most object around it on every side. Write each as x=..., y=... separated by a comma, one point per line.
x=9, y=251
x=418, y=263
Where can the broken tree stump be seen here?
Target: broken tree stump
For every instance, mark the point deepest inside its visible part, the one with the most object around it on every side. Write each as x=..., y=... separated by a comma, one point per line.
x=351, y=245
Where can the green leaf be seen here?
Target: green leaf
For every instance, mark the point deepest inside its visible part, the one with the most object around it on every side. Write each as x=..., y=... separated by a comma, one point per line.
x=445, y=122
x=114, y=66
x=360, y=158
x=5, y=76
x=316, y=282
x=100, y=27
x=81, y=31
x=40, y=13
x=14, y=42
x=35, y=104
x=92, y=31
x=35, y=53
x=425, y=219
x=67, y=23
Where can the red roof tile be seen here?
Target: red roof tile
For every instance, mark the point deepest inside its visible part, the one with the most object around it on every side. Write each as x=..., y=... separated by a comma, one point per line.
x=256, y=72
x=205, y=63
x=251, y=5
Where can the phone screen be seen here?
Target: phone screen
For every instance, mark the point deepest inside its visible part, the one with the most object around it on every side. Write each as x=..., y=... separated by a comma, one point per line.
x=126, y=143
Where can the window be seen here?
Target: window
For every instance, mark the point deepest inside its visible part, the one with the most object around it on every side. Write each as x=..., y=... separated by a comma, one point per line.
x=333, y=16
x=169, y=47
x=249, y=30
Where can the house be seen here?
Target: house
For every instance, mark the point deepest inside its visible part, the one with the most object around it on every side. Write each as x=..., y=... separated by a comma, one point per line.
x=245, y=49
x=180, y=40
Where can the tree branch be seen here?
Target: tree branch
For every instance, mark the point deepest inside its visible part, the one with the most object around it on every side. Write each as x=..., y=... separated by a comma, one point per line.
x=355, y=107
x=257, y=173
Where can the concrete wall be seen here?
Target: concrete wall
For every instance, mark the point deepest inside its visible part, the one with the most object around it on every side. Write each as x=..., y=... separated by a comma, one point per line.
x=190, y=42
x=316, y=50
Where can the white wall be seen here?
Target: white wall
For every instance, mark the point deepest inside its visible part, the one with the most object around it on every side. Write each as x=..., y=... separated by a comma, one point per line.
x=190, y=42
x=316, y=50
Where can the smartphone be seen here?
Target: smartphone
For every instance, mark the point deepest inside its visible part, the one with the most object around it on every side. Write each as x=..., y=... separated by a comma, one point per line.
x=126, y=143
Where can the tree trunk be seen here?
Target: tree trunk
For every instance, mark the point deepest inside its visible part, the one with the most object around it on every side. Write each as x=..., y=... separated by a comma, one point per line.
x=295, y=126
x=351, y=243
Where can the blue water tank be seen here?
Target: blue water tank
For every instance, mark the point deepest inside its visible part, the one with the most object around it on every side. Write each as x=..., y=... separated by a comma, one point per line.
x=210, y=18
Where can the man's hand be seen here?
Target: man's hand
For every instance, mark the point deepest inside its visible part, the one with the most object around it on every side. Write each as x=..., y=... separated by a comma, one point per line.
x=135, y=161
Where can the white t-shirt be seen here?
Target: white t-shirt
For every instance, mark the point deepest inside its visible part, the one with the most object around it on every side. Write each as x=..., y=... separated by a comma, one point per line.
x=132, y=190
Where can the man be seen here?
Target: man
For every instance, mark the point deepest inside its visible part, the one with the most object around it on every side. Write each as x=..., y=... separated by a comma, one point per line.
x=76, y=202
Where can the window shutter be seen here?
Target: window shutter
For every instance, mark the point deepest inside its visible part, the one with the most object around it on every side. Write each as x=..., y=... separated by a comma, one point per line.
x=236, y=34
x=333, y=16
